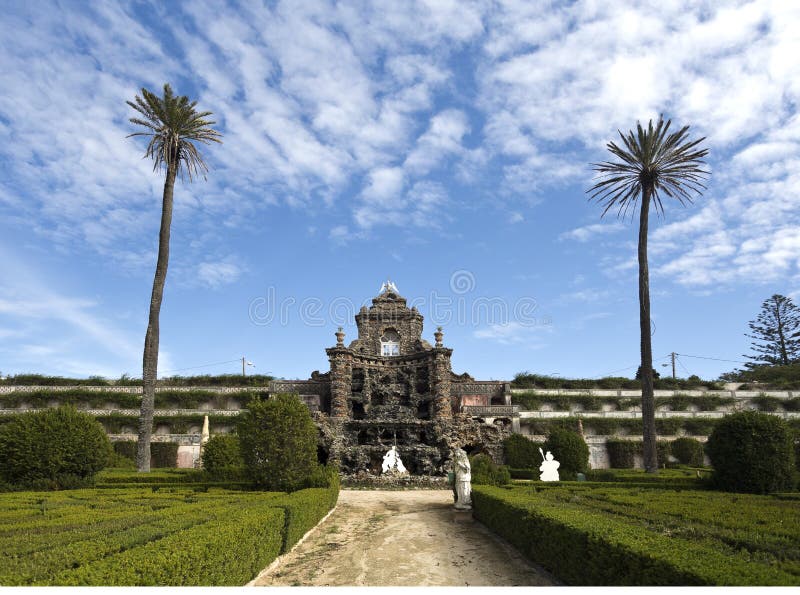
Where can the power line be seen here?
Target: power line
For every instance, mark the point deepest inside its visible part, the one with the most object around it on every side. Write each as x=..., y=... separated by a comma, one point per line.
x=684, y=367
x=628, y=368
x=716, y=359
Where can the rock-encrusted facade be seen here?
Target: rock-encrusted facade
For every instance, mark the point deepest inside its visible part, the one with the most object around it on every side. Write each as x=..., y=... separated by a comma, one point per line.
x=391, y=387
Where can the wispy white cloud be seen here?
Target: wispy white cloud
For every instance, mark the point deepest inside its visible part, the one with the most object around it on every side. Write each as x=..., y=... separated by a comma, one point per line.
x=588, y=232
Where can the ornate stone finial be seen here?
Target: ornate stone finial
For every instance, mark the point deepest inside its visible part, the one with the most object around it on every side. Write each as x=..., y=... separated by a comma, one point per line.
x=438, y=336
x=339, y=337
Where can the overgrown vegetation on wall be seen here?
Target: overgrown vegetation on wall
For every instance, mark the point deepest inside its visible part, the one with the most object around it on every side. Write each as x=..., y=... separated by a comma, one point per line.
x=528, y=380
x=125, y=380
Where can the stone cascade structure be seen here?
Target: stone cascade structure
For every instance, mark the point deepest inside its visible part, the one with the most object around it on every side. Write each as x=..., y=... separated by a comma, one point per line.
x=390, y=387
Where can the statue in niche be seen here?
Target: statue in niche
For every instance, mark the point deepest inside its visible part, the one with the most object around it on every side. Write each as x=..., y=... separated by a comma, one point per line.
x=549, y=467
x=392, y=462
x=463, y=479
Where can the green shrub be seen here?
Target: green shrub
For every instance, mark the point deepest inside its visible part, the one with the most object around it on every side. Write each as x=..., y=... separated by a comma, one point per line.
x=59, y=446
x=222, y=457
x=664, y=452
x=163, y=454
x=570, y=450
x=278, y=442
x=117, y=461
x=752, y=452
x=621, y=453
x=484, y=471
x=688, y=451
x=521, y=453
x=125, y=448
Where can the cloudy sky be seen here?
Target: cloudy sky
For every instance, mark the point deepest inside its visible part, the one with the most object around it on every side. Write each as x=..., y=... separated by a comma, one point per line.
x=444, y=144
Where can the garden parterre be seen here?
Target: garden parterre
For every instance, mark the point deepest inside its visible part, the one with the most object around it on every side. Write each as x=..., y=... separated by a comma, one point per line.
x=591, y=535
x=138, y=536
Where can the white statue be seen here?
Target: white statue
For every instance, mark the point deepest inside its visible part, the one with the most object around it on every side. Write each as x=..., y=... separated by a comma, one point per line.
x=388, y=286
x=549, y=467
x=463, y=479
x=392, y=462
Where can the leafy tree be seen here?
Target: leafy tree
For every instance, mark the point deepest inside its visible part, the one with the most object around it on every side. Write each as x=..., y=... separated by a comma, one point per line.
x=278, y=442
x=652, y=163
x=776, y=331
x=173, y=126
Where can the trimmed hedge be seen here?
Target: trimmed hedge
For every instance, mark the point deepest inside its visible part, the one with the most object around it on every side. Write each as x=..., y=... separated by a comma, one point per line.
x=570, y=450
x=162, y=454
x=137, y=537
x=484, y=471
x=218, y=552
x=521, y=453
x=752, y=452
x=582, y=546
x=621, y=453
x=688, y=451
x=222, y=457
x=278, y=442
x=52, y=449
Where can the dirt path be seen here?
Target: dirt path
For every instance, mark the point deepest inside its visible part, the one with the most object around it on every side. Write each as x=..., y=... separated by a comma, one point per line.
x=402, y=538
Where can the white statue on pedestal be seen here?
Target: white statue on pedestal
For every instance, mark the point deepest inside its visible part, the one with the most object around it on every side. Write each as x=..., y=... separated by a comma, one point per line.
x=392, y=462
x=463, y=478
x=549, y=467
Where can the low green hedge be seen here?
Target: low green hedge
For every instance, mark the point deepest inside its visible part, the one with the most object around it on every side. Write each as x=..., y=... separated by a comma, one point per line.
x=216, y=553
x=304, y=509
x=584, y=547
x=171, y=536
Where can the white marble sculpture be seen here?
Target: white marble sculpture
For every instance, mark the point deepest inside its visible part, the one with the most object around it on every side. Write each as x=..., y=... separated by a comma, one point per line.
x=463, y=479
x=392, y=462
x=549, y=468
x=205, y=434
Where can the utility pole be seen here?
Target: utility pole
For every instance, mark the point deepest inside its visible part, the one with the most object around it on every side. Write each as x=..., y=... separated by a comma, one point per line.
x=245, y=363
x=673, y=354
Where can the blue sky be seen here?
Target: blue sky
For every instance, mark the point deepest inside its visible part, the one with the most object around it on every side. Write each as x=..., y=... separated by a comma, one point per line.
x=443, y=144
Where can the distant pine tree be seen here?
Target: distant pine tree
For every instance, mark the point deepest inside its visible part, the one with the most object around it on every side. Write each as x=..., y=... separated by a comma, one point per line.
x=776, y=331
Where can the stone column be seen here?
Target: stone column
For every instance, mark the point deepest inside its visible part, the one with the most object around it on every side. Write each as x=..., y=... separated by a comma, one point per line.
x=341, y=379
x=441, y=383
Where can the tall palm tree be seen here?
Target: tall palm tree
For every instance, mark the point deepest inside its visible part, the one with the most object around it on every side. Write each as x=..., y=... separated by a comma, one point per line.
x=652, y=163
x=173, y=125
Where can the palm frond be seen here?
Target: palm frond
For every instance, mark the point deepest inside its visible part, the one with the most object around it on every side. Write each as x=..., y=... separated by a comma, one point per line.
x=173, y=126
x=665, y=164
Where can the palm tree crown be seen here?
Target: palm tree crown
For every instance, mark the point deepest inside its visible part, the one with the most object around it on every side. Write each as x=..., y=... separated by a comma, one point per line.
x=173, y=126
x=652, y=162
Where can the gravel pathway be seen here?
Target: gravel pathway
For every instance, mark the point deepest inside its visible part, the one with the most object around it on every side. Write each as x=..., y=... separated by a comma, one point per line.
x=402, y=538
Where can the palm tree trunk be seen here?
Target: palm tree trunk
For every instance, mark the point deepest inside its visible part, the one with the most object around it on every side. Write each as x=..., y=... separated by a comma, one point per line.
x=150, y=357
x=648, y=401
